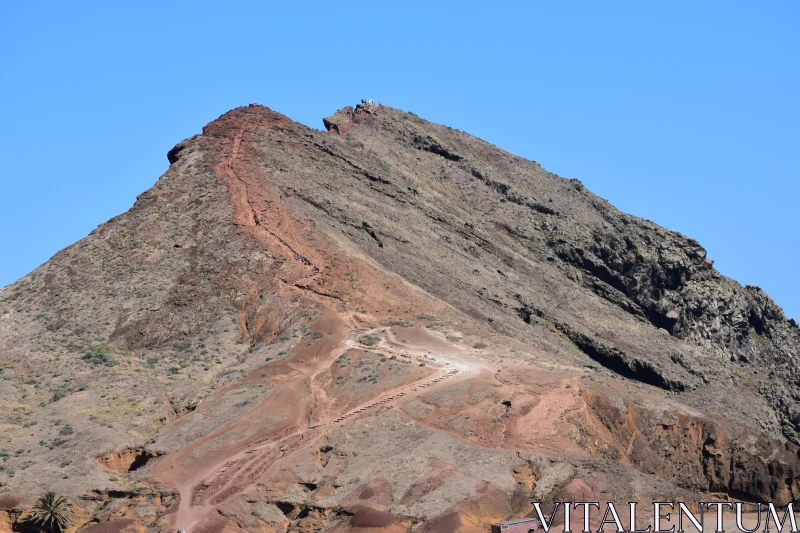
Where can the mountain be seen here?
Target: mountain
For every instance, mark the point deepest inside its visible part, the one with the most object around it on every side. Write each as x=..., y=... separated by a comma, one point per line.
x=382, y=326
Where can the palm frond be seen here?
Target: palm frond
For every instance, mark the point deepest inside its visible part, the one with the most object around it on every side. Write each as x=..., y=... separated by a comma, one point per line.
x=52, y=511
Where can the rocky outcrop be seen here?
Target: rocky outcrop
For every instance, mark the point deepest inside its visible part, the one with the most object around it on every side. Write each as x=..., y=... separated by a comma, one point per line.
x=669, y=277
x=694, y=453
x=128, y=460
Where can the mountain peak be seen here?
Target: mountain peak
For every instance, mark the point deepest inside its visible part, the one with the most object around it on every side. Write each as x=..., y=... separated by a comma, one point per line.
x=289, y=318
x=366, y=112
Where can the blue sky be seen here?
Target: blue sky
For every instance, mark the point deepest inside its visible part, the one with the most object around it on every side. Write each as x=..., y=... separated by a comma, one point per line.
x=685, y=113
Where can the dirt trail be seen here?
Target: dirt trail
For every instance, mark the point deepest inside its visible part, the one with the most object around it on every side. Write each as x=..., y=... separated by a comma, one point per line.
x=229, y=460
x=209, y=464
x=230, y=469
x=232, y=472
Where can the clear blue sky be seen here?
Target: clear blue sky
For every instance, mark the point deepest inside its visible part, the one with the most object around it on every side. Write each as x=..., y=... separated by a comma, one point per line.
x=685, y=113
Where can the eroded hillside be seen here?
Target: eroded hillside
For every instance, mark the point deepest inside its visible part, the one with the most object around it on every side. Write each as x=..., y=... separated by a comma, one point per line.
x=391, y=325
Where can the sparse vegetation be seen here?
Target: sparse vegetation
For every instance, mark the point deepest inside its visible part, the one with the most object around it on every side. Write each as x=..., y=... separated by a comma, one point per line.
x=369, y=340
x=57, y=395
x=101, y=355
x=181, y=345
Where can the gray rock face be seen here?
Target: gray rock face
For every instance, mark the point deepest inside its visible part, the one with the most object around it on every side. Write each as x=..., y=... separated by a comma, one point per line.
x=653, y=275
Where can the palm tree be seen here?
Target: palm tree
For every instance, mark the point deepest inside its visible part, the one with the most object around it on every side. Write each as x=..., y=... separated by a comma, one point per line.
x=52, y=511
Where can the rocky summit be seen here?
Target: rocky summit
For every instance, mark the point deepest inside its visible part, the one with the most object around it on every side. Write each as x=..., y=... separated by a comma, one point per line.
x=387, y=326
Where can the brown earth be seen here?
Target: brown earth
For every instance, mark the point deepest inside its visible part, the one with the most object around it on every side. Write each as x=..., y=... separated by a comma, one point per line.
x=387, y=326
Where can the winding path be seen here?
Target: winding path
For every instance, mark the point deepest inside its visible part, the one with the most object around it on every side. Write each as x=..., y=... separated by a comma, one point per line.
x=307, y=409
x=243, y=467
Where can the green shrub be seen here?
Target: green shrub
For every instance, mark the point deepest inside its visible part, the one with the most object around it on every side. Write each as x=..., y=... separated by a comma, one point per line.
x=57, y=395
x=369, y=340
x=182, y=345
x=101, y=355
